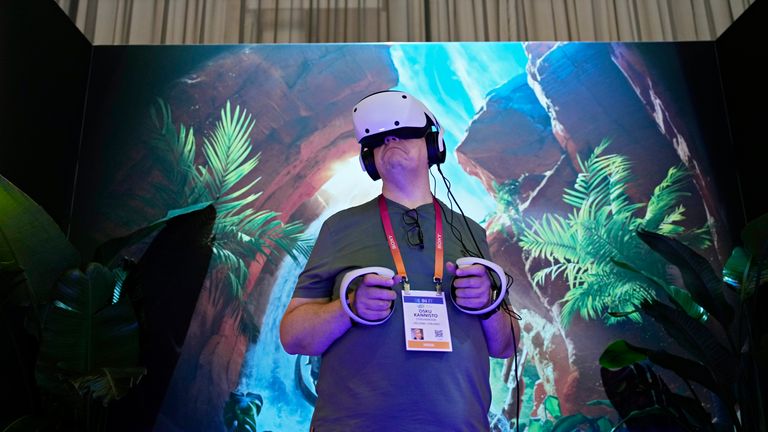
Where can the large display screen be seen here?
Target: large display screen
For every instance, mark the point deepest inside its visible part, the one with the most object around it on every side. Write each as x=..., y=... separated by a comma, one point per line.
x=559, y=150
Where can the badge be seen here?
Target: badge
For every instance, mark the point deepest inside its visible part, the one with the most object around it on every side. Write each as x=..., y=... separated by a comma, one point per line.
x=426, y=321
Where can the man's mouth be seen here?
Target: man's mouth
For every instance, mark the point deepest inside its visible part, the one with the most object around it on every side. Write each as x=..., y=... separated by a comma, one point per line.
x=390, y=147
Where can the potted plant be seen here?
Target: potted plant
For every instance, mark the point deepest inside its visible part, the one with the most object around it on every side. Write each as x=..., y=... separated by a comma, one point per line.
x=725, y=344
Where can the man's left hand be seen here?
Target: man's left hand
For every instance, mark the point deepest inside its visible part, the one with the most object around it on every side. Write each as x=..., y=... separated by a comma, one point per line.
x=472, y=283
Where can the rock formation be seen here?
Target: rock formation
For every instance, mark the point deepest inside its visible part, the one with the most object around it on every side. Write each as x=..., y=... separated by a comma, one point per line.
x=533, y=130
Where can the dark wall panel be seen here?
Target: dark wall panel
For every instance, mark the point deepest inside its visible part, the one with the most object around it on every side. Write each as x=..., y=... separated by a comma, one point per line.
x=44, y=64
x=741, y=56
x=43, y=79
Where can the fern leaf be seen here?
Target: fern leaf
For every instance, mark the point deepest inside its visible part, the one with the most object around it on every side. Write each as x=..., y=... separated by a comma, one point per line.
x=665, y=195
x=697, y=238
x=551, y=238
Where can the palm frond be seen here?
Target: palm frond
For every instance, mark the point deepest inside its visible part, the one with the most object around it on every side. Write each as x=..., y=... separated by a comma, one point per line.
x=590, y=181
x=226, y=151
x=668, y=226
x=237, y=271
x=602, y=182
x=203, y=179
x=507, y=213
x=551, y=238
x=175, y=150
x=569, y=269
x=601, y=290
x=665, y=196
x=225, y=177
x=605, y=237
x=585, y=246
x=620, y=175
x=697, y=238
x=230, y=209
x=276, y=235
x=584, y=301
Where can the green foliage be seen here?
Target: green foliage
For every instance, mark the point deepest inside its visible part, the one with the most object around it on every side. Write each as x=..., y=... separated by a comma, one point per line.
x=552, y=406
x=584, y=246
x=240, y=411
x=723, y=357
x=88, y=348
x=84, y=332
x=27, y=424
x=507, y=213
x=619, y=355
x=554, y=421
x=739, y=270
x=241, y=233
x=108, y=384
x=32, y=248
x=499, y=387
x=645, y=402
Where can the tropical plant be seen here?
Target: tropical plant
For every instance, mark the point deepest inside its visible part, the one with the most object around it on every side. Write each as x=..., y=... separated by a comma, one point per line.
x=306, y=371
x=241, y=410
x=600, y=230
x=507, y=213
x=222, y=175
x=222, y=180
x=727, y=356
x=554, y=421
x=87, y=351
x=645, y=402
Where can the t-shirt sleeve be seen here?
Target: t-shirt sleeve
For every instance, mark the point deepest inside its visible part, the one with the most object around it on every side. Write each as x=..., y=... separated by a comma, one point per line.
x=318, y=277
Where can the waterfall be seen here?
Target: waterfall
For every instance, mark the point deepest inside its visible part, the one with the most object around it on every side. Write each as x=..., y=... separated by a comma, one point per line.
x=268, y=370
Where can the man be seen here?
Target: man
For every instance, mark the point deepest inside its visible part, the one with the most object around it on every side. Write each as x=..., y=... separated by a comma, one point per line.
x=373, y=377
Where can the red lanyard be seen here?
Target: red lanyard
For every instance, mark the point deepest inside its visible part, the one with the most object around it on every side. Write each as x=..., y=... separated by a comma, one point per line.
x=392, y=242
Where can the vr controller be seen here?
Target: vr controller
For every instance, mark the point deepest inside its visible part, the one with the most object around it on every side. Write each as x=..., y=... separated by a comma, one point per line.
x=383, y=271
x=347, y=279
x=468, y=261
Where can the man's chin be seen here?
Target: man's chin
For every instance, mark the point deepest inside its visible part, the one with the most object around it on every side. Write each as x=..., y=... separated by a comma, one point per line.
x=399, y=171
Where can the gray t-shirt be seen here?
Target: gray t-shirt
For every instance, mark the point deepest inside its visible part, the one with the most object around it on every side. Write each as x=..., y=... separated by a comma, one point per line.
x=368, y=381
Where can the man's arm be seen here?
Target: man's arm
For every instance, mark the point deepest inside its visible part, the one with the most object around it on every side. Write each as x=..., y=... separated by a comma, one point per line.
x=498, y=334
x=310, y=326
x=473, y=290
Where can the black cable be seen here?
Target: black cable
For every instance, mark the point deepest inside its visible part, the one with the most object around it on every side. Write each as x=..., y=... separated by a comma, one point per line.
x=517, y=382
x=449, y=214
x=453, y=199
x=510, y=280
x=434, y=182
x=457, y=234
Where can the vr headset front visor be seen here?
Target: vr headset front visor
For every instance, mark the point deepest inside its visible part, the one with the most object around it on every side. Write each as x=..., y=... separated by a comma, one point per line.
x=376, y=140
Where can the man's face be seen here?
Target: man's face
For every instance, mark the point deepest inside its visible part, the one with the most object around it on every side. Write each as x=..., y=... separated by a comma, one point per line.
x=400, y=156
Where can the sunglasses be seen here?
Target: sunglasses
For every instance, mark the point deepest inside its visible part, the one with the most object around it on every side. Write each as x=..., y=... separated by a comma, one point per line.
x=414, y=235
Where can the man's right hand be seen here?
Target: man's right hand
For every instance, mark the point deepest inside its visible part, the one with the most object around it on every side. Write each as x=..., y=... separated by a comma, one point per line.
x=374, y=297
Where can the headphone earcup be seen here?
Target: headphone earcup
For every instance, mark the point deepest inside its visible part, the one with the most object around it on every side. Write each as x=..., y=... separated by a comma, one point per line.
x=434, y=155
x=366, y=156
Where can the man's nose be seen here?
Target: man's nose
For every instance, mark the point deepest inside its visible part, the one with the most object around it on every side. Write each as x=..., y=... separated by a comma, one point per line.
x=390, y=139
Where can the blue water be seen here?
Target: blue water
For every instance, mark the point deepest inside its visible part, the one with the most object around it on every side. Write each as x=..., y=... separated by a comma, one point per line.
x=453, y=80
x=269, y=371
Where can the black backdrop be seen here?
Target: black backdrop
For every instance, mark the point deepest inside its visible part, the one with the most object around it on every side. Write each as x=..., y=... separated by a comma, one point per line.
x=46, y=73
